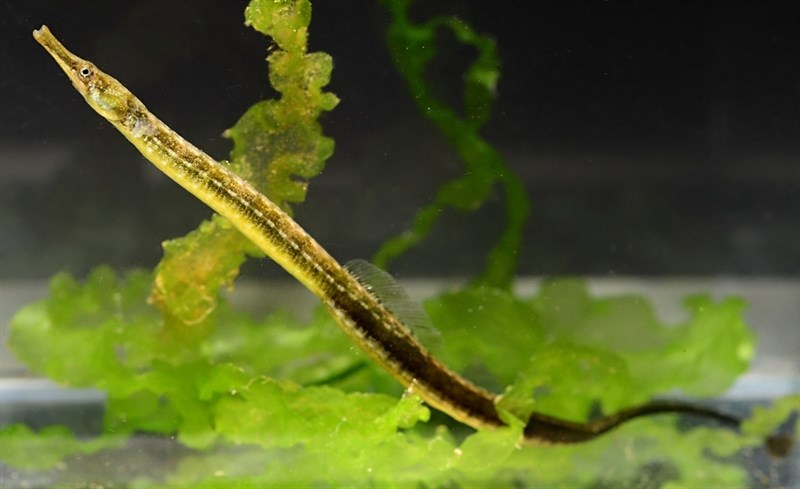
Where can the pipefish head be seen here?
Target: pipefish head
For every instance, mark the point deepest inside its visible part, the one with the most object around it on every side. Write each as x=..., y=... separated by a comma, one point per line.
x=105, y=94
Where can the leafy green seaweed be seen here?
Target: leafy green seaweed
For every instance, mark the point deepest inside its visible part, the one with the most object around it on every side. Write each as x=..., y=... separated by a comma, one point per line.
x=249, y=399
x=28, y=449
x=566, y=353
x=276, y=401
x=278, y=147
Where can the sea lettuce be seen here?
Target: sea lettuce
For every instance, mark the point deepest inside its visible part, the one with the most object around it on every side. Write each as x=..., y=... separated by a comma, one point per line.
x=567, y=353
x=219, y=399
x=249, y=414
x=25, y=448
x=278, y=146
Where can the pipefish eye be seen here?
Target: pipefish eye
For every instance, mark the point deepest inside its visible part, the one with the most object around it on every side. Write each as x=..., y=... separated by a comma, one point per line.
x=85, y=72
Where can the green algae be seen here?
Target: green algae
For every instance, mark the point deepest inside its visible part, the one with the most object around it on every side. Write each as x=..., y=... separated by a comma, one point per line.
x=412, y=47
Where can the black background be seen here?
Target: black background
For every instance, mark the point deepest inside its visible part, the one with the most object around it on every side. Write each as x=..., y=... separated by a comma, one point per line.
x=654, y=138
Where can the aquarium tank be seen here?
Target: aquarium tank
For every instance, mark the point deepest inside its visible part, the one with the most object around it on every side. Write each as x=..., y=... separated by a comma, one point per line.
x=587, y=207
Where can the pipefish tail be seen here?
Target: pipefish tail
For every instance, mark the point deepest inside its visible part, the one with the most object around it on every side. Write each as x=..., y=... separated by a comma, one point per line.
x=358, y=311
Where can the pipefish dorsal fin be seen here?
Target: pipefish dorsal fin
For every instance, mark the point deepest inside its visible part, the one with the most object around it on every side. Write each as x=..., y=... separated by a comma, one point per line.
x=386, y=289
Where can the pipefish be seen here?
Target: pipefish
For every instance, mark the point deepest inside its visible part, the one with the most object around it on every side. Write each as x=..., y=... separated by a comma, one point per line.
x=359, y=312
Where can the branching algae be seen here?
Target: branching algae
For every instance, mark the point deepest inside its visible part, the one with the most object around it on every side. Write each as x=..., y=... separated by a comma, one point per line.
x=272, y=402
x=412, y=47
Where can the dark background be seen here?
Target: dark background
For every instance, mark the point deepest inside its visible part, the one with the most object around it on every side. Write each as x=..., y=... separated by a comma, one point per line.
x=654, y=138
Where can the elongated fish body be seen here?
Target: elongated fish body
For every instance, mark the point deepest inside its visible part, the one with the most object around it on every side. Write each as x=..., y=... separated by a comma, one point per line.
x=358, y=311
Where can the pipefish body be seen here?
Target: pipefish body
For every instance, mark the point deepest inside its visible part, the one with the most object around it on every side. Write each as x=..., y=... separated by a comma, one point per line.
x=358, y=311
